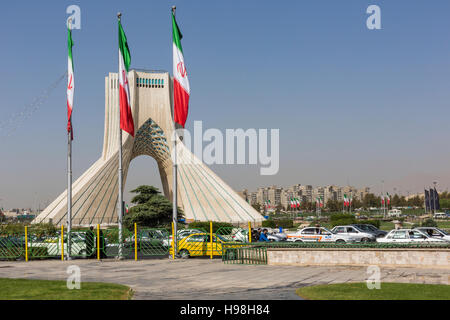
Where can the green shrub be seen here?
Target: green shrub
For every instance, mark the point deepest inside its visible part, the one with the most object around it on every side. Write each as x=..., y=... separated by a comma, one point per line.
x=429, y=223
x=269, y=224
x=206, y=225
x=284, y=223
x=340, y=219
x=375, y=223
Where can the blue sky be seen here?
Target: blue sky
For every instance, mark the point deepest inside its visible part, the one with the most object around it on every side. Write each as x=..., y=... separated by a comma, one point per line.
x=353, y=105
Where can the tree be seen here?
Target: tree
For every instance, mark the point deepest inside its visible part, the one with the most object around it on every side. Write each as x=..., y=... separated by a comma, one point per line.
x=334, y=206
x=151, y=209
x=257, y=207
x=370, y=200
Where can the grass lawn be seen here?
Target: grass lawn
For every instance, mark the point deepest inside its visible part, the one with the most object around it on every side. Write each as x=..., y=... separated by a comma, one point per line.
x=22, y=289
x=388, y=291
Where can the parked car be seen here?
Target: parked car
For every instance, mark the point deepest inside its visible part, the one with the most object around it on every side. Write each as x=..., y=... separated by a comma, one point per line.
x=182, y=233
x=371, y=229
x=199, y=244
x=355, y=232
x=318, y=234
x=152, y=238
x=395, y=213
x=236, y=235
x=51, y=246
x=441, y=215
x=435, y=233
x=407, y=236
x=277, y=236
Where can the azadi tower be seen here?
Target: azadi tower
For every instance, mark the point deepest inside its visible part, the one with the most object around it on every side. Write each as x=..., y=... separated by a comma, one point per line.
x=202, y=195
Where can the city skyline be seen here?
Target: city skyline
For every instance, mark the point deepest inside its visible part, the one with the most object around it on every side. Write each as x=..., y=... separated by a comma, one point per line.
x=354, y=106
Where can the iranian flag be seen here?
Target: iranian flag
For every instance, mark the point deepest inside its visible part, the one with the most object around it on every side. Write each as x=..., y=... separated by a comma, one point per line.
x=345, y=200
x=388, y=198
x=382, y=199
x=321, y=202
x=70, y=81
x=126, y=117
x=298, y=202
x=181, y=89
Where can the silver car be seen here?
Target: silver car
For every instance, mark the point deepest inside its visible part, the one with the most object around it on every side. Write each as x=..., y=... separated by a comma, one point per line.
x=407, y=236
x=354, y=232
x=435, y=233
x=318, y=234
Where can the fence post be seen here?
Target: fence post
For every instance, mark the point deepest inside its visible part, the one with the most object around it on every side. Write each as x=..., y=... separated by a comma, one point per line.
x=211, y=232
x=173, y=242
x=135, y=242
x=26, y=244
x=249, y=232
x=62, y=243
x=98, y=242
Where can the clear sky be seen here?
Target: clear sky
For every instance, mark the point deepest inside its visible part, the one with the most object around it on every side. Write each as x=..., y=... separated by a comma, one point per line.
x=353, y=105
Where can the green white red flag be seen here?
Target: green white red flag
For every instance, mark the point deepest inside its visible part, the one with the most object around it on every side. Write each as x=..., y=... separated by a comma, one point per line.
x=126, y=117
x=181, y=88
x=70, y=81
x=346, y=202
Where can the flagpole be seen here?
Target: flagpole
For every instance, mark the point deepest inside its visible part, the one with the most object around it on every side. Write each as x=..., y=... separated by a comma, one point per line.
x=424, y=200
x=120, y=200
x=175, y=173
x=69, y=180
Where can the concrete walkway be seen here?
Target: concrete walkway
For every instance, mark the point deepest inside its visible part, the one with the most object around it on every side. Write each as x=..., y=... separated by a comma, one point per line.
x=199, y=279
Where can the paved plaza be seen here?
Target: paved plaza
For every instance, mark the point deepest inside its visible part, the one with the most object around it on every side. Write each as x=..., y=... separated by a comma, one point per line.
x=200, y=279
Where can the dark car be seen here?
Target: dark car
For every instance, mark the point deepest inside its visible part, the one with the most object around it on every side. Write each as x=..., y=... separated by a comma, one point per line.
x=371, y=229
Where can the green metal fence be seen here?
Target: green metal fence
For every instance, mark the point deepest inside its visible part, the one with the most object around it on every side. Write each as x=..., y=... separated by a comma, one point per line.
x=43, y=244
x=83, y=244
x=192, y=242
x=109, y=243
x=251, y=255
x=12, y=247
x=256, y=253
x=153, y=242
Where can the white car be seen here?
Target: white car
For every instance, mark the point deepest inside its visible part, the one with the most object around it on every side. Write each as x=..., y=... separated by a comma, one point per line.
x=435, y=233
x=407, y=236
x=318, y=234
x=355, y=232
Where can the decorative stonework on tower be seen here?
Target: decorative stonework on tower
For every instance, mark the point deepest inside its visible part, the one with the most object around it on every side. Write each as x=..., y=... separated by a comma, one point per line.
x=201, y=193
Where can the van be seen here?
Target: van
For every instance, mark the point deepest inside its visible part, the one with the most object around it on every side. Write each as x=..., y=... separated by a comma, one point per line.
x=440, y=215
x=394, y=213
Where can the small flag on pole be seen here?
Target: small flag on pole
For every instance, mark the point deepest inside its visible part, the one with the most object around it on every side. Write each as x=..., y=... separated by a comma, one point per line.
x=70, y=80
x=126, y=117
x=181, y=88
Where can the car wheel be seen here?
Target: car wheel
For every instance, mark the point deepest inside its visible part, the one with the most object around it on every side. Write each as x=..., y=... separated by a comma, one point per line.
x=365, y=240
x=185, y=254
x=340, y=241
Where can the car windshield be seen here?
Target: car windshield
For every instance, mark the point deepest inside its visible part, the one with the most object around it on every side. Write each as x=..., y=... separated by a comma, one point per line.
x=444, y=232
x=359, y=228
